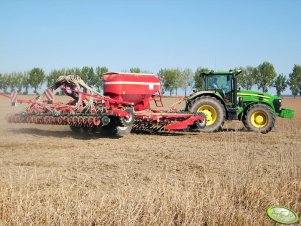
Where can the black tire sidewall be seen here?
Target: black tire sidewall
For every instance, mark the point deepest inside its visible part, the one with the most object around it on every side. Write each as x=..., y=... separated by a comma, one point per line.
x=113, y=130
x=267, y=111
x=130, y=121
x=214, y=103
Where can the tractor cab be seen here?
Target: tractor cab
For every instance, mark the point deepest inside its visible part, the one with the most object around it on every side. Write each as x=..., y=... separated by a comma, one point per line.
x=222, y=83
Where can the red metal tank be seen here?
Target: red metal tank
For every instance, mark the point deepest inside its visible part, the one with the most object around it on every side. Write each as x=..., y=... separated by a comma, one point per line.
x=131, y=87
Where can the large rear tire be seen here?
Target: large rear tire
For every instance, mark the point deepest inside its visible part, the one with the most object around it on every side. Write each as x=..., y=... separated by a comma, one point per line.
x=213, y=109
x=259, y=118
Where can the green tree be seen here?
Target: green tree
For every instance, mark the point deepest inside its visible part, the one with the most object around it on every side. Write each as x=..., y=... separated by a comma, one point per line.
x=4, y=82
x=100, y=71
x=135, y=70
x=168, y=80
x=72, y=71
x=188, y=79
x=19, y=84
x=198, y=81
x=280, y=84
x=15, y=81
x=11, y=83
x=295, y=80
x=1, y=82
x=180, y=79
x=265, y=76
x=25, y=82
x=88, y=75
x=36, y=78
x=247, y=78
x=53, y=76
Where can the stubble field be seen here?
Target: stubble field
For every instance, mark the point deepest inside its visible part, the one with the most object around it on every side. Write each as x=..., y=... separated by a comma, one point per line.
x=48, y=176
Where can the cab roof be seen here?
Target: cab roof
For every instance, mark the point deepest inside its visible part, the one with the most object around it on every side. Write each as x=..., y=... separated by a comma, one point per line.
x=230, y=72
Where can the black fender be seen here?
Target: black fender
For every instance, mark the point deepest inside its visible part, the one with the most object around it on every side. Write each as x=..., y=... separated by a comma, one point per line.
x=195, y=95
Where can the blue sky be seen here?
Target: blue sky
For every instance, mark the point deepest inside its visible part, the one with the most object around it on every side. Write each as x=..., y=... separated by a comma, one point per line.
x=150, y=34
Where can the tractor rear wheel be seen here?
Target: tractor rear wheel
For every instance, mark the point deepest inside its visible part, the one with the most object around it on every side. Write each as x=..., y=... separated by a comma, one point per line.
x=259, y=118
x=213, y=109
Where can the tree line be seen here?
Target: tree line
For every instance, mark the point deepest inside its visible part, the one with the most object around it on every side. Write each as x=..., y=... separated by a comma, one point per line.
x=263, y=76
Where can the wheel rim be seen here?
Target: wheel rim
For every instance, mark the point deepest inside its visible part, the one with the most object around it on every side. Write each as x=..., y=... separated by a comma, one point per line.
x=130, y=119
x=259, y=119
x=210, y=113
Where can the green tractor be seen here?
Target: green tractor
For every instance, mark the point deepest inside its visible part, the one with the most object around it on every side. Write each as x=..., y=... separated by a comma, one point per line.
x=220, y=100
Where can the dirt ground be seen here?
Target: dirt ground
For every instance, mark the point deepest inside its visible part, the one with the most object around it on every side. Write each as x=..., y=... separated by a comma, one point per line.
x=47, y=175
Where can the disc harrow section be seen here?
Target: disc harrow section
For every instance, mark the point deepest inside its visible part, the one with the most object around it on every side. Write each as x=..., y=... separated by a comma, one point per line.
x=157, y=122
x=76, y=120
x=85, y=110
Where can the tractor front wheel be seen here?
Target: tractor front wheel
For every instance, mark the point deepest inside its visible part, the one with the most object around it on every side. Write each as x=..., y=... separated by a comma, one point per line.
x=213, y=109
x=259, y=118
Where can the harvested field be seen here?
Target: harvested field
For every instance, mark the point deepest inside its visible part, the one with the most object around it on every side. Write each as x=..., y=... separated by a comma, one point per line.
x=49, y=176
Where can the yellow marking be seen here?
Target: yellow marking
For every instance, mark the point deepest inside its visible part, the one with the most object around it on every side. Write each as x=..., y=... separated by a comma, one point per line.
x=254, y=95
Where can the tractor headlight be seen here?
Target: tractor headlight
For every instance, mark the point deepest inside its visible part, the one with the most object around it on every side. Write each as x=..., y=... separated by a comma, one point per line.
x=277, y=105
x=239, y=101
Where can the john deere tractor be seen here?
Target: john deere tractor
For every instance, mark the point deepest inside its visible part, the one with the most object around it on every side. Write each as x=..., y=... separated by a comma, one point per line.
x=220, y=100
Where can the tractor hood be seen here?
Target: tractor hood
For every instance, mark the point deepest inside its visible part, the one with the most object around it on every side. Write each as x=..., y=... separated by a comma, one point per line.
x=256, y=94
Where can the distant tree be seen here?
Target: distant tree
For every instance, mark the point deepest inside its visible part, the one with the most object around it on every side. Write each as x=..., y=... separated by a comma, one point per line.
x=265, y=76
x=295, y=80
x=10, y=82
x=25, y=82
x=100, y=71
x=36, y=78
x=4, y=82
x=188, y=80
x=198, y=81
x=135, y=70
x=88, y=75
x=53, y=76
x=146, y=72
x=175, y=78
x=18, y=79
x=169, y=80
x=247, y=78
x=280, y=84
x=1, y=82
x=72, y=71
x=13, y=82
x=180, y=79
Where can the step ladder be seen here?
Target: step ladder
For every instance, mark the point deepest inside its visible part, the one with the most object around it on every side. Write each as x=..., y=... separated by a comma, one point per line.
x=158, y=99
